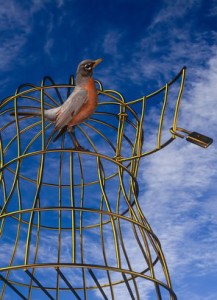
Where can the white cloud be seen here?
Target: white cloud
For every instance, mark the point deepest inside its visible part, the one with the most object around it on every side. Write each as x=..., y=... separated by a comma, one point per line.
x=9, y=52
x=213, y=10
x=111, y=43
x=48, y=46
x=60, y=3
x=172, y=10
x=199, y=109
x=16, y=21
x=163, y=49
x=179, y=188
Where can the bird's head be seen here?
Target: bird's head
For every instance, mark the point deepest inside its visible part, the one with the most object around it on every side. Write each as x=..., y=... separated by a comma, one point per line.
x=85, y=68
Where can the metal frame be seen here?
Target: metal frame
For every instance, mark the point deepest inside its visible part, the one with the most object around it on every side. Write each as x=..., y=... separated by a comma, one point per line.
x=102, y=193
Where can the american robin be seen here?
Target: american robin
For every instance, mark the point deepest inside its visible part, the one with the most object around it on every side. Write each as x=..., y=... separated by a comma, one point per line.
x=78, y=107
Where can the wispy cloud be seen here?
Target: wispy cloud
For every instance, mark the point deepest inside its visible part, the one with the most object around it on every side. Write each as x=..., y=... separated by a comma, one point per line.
x=13, y=29
x=179, y=192
x=16, y=23
x=48, y=46
x=172, y=11
x=111, y=43
x=199, y=103
x=213, y=10
x=163, y=48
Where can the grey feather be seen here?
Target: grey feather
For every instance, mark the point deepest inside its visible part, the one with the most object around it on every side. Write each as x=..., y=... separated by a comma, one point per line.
x=51, y=114
x=71, y=107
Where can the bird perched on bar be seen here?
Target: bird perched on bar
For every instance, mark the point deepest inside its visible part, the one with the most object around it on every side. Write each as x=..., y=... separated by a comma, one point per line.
x=78, y=107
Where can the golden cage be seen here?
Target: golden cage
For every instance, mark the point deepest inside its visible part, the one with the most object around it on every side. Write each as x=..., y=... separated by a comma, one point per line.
x=71, y=224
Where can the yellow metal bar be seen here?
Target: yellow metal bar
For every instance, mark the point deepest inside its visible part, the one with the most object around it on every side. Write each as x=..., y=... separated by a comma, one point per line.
x=39, y=180
x=102, y=184
x=178, y=100
x=99, y=267
x=72, y=199
x=162, y=117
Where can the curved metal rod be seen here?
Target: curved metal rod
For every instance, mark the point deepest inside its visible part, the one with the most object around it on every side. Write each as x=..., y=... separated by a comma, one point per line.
x=91, y=266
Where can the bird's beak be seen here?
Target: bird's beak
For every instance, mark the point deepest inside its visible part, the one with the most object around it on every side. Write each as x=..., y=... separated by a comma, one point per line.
x=96, y=62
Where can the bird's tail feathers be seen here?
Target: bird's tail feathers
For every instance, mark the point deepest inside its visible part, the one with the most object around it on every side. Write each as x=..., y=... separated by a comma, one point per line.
x=25, y=113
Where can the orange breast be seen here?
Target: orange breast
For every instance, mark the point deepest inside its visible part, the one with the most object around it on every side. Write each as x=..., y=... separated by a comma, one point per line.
x=89, y=107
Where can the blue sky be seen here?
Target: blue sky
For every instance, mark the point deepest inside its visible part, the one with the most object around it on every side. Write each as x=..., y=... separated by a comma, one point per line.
x=143, y=44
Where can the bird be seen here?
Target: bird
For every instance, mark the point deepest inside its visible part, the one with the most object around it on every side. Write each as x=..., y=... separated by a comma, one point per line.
x=78, y=107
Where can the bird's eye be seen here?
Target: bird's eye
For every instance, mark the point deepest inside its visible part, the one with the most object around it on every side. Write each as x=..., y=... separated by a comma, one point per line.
x=88, y=67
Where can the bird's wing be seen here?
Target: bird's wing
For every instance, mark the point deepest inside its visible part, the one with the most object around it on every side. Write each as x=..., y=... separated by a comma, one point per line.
x=71, y=107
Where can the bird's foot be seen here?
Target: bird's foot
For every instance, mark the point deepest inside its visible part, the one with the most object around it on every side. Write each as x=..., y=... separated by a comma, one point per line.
x=71, y=129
